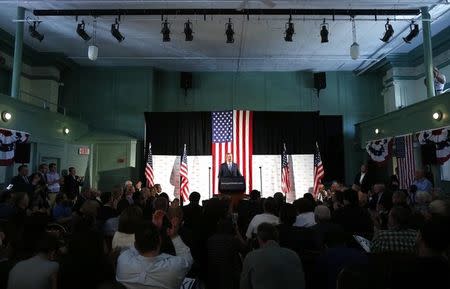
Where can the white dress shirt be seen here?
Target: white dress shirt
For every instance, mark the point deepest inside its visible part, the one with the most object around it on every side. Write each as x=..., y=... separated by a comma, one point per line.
x=259, y=219
x=305, y=220
x=53, y=182
x=122, y=240
x=361, y=178
x=135, y=271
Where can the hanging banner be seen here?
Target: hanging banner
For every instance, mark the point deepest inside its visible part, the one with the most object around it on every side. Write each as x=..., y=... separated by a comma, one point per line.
x=441, y=138
x=379, y=150
x=8, y=140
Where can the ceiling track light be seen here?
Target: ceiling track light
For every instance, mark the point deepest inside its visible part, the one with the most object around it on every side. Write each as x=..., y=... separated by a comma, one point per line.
x=165, y=31
x=34, y=33
x=289, y=31
x=82, y=32
x=388, y=33
x=324, y=32
x=413, y=32
x=229, y=32
x=354, y=48
x=188, y=31
x=6, y=116
x=115, y=31
x=93, y=49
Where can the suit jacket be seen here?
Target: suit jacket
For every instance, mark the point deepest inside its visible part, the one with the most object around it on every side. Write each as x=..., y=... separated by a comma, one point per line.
x=224, y=171
x=71, y=185
x=20, y=185
x=366, y=183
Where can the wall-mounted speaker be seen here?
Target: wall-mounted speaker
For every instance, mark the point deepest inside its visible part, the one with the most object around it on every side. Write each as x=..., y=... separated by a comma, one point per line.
x=320, y=80
x=22, y=153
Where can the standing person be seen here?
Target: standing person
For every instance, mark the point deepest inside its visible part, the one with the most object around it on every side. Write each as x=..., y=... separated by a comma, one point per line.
x=267, y=217
x=42, y=171
x=143, y=266
x=271, y=266
x=72, y=183
x=138, y=186
x=21, y=182
x=439, y=81
x=53, y=179
x=229, y=168
x=362, y=179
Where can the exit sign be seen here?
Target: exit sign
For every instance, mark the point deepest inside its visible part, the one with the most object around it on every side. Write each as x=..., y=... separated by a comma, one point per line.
x=83, y=151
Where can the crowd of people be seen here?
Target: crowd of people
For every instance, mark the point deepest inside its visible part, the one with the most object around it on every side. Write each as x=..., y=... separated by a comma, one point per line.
x=368, y=235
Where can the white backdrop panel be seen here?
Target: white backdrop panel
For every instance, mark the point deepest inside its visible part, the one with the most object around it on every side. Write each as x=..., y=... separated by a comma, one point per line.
x=166, y=170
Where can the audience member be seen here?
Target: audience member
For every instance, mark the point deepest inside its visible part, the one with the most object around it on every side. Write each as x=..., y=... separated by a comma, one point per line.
x=305, y=211
x=38, y=272
x=224, y=247
x=271, y=266
x=430, y=269
x=267, y=217
x=72, y=183
x=129, y=221
x=143, y=266
x=351, y=217
x=62, y=210
x=398, y=238
x=363, y=179
x=107, y=210
x=53, y=179
x=21, y=182
x=324, y=226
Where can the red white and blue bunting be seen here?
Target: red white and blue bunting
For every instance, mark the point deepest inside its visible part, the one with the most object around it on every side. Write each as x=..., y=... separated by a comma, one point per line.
x=441, y=138
x=8, y=140
x=379, y=150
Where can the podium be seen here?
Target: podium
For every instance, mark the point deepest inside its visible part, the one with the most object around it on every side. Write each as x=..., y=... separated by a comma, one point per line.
x=232, y=185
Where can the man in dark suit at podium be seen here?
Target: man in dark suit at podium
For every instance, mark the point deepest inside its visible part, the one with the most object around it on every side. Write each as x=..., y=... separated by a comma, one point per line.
x=228, y=168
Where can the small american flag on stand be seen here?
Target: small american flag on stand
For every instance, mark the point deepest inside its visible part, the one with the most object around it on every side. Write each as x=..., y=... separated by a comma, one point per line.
x=404, y=152
x=318, y=171
x=184, y=180
x=285, y=180
x=149, y=176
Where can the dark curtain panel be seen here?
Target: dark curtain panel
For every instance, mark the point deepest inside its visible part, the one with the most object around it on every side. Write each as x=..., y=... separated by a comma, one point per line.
x=168, y=131
x=331, y=145
x=299, y=130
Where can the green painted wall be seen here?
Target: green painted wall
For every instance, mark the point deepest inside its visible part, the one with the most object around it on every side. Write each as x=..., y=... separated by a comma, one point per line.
x=411, y=119
x=47, y=139
x=114, y=99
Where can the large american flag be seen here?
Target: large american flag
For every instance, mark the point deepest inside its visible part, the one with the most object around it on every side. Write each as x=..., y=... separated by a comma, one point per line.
x=285, y=180
x=149, y=176
x=184, y=180
x=404, y=152
x=318, y=171
x=232, y=131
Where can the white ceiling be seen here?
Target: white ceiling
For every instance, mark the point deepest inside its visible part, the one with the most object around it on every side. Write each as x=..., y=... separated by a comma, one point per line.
x=259, y=43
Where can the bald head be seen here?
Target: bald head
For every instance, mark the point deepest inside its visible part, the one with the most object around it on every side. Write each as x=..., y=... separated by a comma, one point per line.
x=322, y=213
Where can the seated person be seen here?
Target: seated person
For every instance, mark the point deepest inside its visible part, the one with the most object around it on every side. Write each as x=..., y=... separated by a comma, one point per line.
x=398, y=238
x=143, y=266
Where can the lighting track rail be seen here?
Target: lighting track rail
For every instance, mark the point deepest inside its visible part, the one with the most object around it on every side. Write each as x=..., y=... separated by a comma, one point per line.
x=228, y=12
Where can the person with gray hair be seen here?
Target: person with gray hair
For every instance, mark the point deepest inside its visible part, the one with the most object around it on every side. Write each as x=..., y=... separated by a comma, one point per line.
x=439, y=208
x=324, y=227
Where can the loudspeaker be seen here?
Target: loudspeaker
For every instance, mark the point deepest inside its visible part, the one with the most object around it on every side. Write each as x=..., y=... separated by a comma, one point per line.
x=185, y=80
x=22, y=153
x=428, y=152
x=320, y=80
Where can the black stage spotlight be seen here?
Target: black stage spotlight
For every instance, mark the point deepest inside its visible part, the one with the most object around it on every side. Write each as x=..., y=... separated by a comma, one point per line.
x=165, y=31
x=115, y=31
x=82, y=32
x=229, y=31
x=414, y=31
x=324, y=32
x=188, y=31
x=388, y=33
x=34, y=33
x=289, y=32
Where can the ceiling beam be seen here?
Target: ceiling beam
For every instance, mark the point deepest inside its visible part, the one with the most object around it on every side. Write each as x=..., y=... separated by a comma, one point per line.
x=227, y=12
